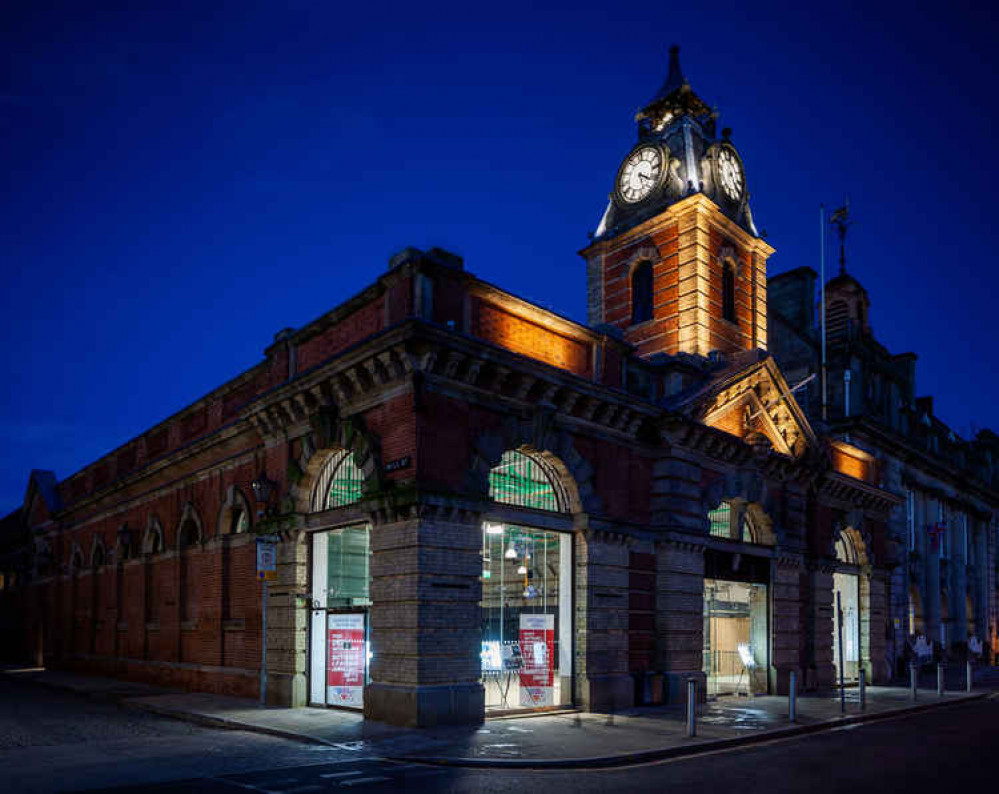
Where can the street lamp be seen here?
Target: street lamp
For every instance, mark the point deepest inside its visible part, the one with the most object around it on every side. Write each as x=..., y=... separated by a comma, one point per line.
x=263, y=488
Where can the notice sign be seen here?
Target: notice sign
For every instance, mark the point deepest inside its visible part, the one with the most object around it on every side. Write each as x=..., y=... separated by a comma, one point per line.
x=266, y=561
x=345, y=660
x=537, y=649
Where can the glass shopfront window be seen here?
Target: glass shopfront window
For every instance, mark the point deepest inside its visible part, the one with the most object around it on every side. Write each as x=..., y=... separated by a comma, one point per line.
x=526, y=617
x=340, y=650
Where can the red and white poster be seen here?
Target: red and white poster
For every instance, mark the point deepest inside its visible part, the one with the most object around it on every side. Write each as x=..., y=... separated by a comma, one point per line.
x=537, y=648
x=345, y=660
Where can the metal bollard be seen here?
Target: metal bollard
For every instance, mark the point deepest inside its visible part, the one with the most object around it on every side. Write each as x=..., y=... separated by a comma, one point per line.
x=691, y=707
x=941, y=671
x=792, y=695
x=970, y=675
x=913, y=678
x=863, y=689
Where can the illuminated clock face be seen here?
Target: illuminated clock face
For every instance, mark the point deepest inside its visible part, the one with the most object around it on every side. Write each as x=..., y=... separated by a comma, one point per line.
x=640, y=174
x=730, y=174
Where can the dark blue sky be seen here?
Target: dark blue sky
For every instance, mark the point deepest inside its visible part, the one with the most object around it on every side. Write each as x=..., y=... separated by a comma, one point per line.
x=182, y=184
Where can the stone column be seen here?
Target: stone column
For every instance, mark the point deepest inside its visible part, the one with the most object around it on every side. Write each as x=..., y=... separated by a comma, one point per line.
x=680, y=616
x=426, y=630
x=821, y=613
x=874, y=614
x=786, y=617
x=287, y=625
x=601, y=631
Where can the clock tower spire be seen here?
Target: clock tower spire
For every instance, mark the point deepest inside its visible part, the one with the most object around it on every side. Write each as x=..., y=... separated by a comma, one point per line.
x=676, y=262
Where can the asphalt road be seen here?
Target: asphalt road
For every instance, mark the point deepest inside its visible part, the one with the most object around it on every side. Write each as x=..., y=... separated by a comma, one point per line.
x=58, y=742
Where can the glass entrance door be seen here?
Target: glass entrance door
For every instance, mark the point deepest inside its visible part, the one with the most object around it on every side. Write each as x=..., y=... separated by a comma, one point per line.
x=340, y=643
x=847, y=587
x=736, y=637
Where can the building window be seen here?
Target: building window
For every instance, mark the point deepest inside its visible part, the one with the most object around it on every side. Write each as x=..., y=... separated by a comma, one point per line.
x=526, y=651
x=721, y=520
x=846, y=551
x=340, y=483
x=728, y=293
x=942, y=539
x=641, y=293
x=910, y=518
x=527, y=480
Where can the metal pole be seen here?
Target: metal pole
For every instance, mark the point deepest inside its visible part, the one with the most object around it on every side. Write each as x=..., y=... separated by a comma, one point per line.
x=940, y=678
x=691, y=707
x=263, y=650
x=863, y=689
x=913, y=676
x=792, y=703
x=839, y=629
x=970, y=675
x=822, y=302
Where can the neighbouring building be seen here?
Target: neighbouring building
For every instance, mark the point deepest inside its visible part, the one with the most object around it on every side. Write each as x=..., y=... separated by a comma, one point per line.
x=484, y=506
x=946, y=529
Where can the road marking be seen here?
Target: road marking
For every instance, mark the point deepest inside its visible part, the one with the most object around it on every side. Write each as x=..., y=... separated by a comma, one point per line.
x=341, y=774
x=360, y=781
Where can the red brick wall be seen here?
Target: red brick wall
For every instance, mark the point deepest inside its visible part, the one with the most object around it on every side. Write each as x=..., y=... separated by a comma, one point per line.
x=500, y=327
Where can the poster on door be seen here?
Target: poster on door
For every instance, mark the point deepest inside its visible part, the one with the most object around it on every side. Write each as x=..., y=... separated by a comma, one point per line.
x=345, y=660
x=537, y=649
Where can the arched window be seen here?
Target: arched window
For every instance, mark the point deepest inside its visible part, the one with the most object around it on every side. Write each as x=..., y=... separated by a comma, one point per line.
x=340, y=483
x=526, y=480
x=641, y=292
x=728, y=293
x=846, y=551
x=721, y=520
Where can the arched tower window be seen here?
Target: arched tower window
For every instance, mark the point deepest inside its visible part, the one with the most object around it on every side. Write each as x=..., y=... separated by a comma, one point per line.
x=641, y=292
x=340, y=483
x=728, y=292
x=525, y=479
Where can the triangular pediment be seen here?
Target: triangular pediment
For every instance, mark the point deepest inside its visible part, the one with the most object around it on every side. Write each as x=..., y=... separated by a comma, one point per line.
x=754, y=403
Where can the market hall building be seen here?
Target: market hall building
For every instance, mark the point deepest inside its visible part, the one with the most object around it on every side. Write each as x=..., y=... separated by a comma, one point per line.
x=484, y=506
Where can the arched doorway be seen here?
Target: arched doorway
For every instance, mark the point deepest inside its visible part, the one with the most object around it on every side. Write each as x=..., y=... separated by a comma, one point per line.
x=737, y=636
x=849, y=606
x=526, y=589
x=341, y=577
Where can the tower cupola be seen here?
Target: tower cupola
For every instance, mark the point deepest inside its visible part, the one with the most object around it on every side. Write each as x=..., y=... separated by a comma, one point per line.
x=678, y=154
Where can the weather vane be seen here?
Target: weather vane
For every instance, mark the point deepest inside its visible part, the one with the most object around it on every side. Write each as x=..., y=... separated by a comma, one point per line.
x=841, y=220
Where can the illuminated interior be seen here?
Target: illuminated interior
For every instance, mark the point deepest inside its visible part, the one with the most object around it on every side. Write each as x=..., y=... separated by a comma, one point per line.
x=526, y=593
x=736, y=637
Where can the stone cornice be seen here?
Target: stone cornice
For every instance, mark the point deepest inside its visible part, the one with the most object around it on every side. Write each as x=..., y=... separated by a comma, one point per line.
x=840, y=489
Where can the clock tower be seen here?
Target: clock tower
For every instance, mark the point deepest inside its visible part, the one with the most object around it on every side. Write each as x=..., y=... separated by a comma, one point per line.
x=676, y=262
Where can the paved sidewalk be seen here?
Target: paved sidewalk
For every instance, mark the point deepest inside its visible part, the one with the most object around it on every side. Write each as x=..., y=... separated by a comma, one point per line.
x=555, y=740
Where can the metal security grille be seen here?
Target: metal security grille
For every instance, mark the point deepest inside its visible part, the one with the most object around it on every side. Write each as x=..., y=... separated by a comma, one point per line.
x=341, y=482
x=721, y=521
x=524, y=480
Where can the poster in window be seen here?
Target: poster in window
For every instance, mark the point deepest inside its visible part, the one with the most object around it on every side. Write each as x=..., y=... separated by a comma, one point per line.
x=345, y=660
x=537, y=649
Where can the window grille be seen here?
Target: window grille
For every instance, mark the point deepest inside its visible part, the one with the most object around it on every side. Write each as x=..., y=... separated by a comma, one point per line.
x=525, y=480
x=721, y=520
x=341, y=482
